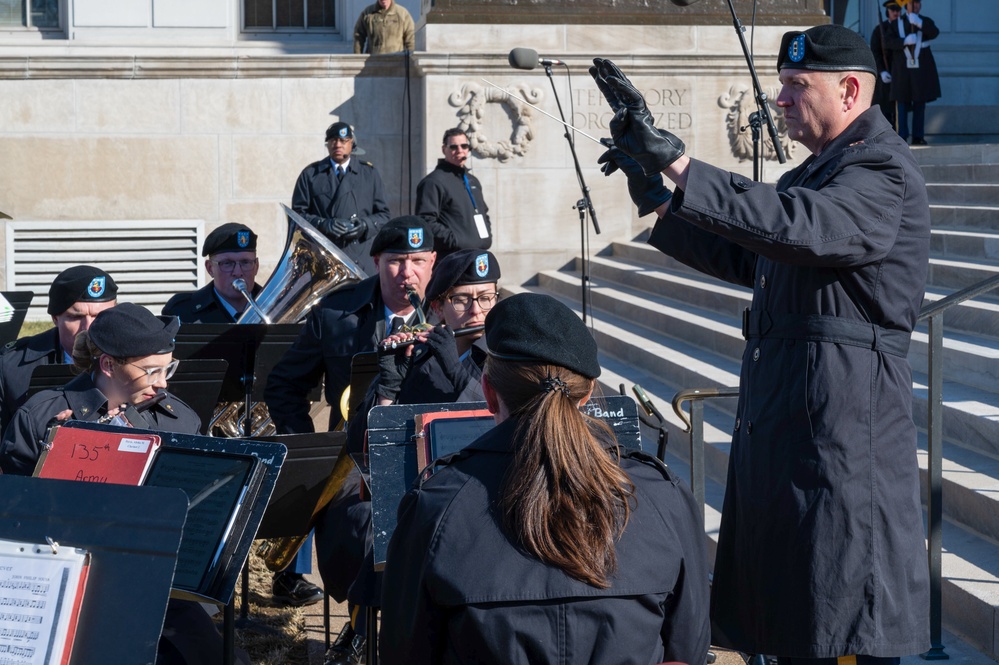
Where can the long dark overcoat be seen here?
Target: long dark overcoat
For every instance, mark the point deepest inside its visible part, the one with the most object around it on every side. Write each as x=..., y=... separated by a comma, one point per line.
x=921, y=84
x=820, y=550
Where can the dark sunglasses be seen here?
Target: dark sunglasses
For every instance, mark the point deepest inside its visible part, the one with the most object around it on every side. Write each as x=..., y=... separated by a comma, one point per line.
x=455, y=146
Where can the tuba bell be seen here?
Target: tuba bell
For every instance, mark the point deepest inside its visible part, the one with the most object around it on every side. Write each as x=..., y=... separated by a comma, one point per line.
x=310, y=267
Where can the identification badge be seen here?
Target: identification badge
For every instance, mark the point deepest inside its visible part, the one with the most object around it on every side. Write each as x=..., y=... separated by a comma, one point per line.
x=480, y=225
x=912, y=63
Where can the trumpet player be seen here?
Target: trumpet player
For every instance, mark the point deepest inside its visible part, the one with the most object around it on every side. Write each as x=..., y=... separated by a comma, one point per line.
x=231, y=254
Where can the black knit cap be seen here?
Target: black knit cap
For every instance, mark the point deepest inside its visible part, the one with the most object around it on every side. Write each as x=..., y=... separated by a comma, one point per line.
x=80, y=284
x=466, y=266
x=231, y=237
x=826, y=48
x=339, y=130
x=403, y=235
x=531, y=327
x=130, y=330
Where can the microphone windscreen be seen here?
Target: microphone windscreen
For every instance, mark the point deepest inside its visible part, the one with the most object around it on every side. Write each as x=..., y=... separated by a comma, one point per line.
x=683, y=3
x=523, y=58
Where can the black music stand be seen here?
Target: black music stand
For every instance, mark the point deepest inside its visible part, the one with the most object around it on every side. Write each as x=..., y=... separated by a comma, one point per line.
x=133, y=534
x=197, y=383
x=245, y=522
x=20, y=301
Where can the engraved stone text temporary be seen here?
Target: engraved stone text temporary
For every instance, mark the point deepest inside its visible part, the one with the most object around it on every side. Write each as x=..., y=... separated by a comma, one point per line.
x=740, y=102
x=474, y=114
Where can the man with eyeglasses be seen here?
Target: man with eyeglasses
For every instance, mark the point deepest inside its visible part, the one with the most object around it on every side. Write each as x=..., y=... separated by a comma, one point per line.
x=232, y=254
x=76, y=296
x=450, y=199
x=343, y=197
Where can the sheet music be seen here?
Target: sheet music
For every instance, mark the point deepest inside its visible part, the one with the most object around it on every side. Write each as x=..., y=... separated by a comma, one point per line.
x=40, y=592
x=6, y=309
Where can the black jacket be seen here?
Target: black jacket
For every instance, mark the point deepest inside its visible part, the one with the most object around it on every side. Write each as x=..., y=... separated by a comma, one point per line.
x=319, y=196
x=457, y=590
x=444, y=202
x=22, y=442
x=18, y=360
x=201, y=306
x=820, y=550
x=348, y=321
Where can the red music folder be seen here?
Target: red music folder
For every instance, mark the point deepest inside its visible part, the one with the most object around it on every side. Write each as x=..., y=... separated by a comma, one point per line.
x=97, y=457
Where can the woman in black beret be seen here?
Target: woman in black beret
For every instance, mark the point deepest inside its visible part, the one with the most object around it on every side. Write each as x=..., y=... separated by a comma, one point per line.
x=125, y=358
x=543, y=541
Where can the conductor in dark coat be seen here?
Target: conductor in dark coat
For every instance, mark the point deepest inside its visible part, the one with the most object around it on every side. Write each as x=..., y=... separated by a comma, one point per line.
x=343, y=197
x=231, y=254
x=542, y=541
x=76, y=296
x=821, y=549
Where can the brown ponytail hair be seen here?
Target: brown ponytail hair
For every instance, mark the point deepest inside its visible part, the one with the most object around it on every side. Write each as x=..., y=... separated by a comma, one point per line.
x=85, y=353
x=565, y=500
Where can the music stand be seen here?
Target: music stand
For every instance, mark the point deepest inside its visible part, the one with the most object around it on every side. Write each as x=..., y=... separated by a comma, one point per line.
x=197, y=383
x=132, y=533
x=392, y=452
x=20, y=301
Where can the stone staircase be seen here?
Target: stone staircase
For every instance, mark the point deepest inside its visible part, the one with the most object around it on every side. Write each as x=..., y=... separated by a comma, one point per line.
x=663, y=326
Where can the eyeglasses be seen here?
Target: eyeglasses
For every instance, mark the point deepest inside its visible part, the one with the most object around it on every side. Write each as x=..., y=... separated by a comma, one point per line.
x=227, y=265
x=153, y=374
x=340, y=141
x=462, y=302
x=453, y=147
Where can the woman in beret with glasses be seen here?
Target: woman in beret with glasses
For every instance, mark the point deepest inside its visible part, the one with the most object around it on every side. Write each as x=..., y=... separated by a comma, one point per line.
x=543, y=541
x=125, y=358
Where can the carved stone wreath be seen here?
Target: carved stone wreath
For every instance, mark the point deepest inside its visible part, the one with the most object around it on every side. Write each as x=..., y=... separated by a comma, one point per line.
x=740, y=102
x=471, y=102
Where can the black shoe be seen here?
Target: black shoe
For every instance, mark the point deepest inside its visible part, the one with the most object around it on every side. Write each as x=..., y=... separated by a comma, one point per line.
x=348, y=649
x=919, y=142
x=293, y=589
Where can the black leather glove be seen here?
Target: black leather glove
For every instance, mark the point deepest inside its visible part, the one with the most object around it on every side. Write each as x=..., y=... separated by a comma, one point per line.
x=329, y=227
x=632, y=127
x=647, y=191
x=392, y=369
x=349, y=230
x=442, y=344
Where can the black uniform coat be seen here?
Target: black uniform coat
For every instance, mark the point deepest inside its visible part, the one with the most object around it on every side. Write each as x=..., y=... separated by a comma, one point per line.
x=913, y=85
x=18, y=360
x=820, y=550
x=22, y=441
x=201, y=306
x=457, y=590
x=348, y=321
x=318, y=196
x=883, y=60
x=443, y=201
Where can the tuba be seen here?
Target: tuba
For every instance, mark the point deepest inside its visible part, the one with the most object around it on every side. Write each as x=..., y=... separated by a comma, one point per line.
x=310, y=267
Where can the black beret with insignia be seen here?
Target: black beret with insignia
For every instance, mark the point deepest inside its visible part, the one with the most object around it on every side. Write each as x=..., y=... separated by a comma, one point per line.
x=826, y=48
x=130, y=330
x=403, y=235
x=80, y=284
x=231, y=237
x=531, y=327
x=466, y=266
x=339, y=130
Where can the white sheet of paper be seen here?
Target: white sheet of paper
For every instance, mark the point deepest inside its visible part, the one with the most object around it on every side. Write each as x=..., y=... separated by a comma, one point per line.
x=480, y=225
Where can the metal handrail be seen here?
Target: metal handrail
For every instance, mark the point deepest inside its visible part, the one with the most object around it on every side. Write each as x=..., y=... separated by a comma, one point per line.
x=933, y=313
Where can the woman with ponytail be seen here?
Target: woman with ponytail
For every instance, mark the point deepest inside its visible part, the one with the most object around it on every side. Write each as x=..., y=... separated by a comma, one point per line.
x=543, y=541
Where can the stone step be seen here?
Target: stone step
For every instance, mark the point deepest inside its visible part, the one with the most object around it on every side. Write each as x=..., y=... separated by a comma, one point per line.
x=958, y=153
x=972, y=218
x=968, y=245
x=951, y=273
x=963, y=193
x=961, y=173
x=979, y=317
x=970, y=415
